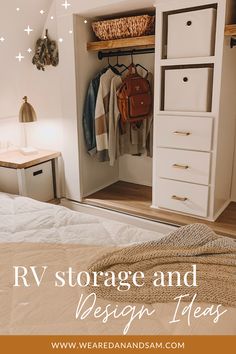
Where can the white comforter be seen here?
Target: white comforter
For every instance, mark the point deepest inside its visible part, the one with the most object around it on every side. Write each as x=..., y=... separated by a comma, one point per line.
x=34, y=233
x=26, y=220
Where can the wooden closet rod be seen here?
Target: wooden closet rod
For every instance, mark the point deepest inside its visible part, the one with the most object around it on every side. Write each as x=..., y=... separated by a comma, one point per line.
x=122, y=53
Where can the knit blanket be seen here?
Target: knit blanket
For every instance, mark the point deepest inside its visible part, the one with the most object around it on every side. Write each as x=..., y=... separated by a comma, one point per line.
x=213, y=255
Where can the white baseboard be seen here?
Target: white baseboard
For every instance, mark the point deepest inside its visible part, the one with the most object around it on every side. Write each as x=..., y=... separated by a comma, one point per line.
x=211, y=219
x=119, y=216
x=105, y=185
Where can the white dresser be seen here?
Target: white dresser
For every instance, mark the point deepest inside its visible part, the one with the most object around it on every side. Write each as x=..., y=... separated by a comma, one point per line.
x=194, y=127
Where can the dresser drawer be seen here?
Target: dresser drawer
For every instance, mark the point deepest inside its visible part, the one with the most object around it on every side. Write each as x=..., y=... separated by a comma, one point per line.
x=188, y=90
x=183, y=197
x=191, y=34
x=181, y=165
x=189, y=133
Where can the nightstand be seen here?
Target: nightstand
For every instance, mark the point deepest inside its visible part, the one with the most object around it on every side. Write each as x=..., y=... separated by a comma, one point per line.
x=35, y=176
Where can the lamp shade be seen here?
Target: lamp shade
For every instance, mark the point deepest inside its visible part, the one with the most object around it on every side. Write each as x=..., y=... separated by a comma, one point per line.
x=27, y=113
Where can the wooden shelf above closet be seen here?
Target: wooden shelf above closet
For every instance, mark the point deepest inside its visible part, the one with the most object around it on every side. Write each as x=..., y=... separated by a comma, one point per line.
x=230, y=30
x=144, y=42
x=141, y=42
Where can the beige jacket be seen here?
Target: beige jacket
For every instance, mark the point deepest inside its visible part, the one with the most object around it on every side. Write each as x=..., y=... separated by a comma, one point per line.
x=102, y=115
x=114, y=117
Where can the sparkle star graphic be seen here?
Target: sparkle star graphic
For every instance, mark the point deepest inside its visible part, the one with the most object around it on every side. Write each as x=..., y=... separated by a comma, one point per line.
x=66, y=5
x=28, y=30
x=20, y=57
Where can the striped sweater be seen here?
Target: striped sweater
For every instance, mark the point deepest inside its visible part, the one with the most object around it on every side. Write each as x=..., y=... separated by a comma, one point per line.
x=102, y=116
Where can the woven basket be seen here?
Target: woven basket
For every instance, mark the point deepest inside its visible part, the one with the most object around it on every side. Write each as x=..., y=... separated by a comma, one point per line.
x=127, y=27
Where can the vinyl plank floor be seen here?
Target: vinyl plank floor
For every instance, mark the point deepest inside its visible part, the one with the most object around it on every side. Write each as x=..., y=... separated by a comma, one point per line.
x=134, y=199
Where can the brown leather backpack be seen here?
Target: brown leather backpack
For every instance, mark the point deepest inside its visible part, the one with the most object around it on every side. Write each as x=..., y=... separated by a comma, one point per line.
x=134, y=98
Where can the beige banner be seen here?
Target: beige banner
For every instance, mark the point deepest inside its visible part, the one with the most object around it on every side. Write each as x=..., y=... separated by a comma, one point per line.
x=35, y=302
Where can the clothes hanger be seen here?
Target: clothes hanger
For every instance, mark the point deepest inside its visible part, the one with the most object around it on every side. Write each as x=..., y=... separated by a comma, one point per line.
x=131, y=66
x=118, y=65
x=138, y=65
x=127, y=67
x=141, y=66
x=109, y=66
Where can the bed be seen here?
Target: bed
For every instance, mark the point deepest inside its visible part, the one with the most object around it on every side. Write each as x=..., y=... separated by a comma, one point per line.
x=38, y=234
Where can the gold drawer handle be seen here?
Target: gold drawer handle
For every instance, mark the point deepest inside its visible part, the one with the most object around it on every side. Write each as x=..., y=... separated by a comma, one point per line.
x=180, y=199
x=182, y=167
x=182, y=133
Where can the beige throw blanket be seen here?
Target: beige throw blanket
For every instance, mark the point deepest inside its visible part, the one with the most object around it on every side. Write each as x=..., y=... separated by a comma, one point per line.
x=213, y=255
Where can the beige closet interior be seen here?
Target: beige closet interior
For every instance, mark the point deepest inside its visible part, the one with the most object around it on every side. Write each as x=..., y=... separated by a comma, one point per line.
x=130, y=171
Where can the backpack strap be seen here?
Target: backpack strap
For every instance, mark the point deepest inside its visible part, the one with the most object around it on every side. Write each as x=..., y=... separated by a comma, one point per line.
x=132, y=69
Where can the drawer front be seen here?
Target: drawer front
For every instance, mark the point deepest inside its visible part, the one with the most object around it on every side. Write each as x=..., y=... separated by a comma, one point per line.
x=183, y=197
x=188, y=90
x=39, y=182
x=189, y=133
x=191, y=34
x=188, y=166
x=8, y=180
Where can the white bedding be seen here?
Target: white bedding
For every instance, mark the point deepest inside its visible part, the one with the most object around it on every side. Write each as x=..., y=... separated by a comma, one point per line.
x=26, y=220
x=34, y=233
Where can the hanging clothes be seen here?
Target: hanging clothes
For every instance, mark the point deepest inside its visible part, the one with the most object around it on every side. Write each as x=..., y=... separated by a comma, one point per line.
x=131, y=142
x=149, y=144
x=105, y=137
x=137, y=139
x=89, y=114
x=114, y=117
x=102, y=115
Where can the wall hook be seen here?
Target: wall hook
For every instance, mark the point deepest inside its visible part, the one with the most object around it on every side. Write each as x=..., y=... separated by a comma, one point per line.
x=233, y=42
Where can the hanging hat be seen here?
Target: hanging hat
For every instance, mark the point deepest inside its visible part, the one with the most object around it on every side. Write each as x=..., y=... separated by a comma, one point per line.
x=27, y=113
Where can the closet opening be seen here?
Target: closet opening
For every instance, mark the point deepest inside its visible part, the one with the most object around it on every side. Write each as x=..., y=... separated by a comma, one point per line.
x=118, y=174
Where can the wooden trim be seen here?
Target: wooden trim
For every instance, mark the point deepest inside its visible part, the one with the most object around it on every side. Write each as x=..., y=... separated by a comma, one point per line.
x=230, y=30
x=16, y=160
x=145, y=41
x=56, y=201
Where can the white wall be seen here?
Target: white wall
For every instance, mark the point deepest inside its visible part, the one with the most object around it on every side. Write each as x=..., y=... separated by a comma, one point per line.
x=18, y=79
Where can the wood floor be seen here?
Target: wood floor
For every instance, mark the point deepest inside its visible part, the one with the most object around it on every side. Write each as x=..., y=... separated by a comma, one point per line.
x=135, y=200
